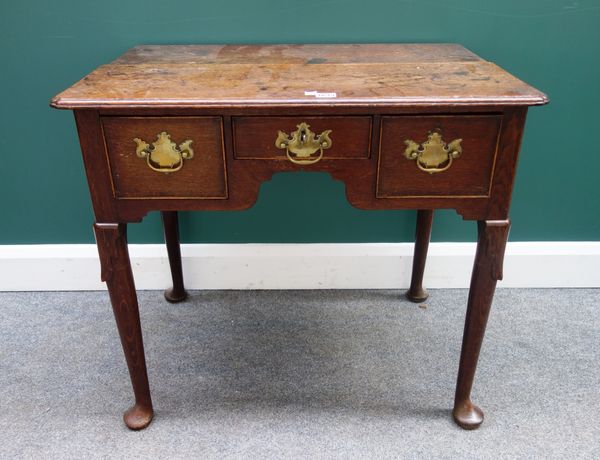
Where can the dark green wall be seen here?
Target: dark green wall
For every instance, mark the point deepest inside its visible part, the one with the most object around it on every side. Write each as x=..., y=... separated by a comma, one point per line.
x=46, y=46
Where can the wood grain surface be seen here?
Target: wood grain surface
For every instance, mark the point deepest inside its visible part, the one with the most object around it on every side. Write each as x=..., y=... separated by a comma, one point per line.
x=271, y=75
x=297, y=54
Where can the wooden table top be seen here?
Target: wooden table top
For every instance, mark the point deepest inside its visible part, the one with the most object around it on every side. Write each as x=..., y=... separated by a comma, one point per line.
x=395, y=75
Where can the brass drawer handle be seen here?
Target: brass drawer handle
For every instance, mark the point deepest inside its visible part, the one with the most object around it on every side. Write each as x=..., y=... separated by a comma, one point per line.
x=303, y=143
x=433, y=155
x=164, y=155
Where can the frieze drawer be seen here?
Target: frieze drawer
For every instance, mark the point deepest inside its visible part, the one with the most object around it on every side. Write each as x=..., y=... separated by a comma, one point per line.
x=166, y=157
x=340, y=138
x=446, y=156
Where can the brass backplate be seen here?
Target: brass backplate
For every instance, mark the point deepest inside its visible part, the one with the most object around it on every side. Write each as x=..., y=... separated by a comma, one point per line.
x=303, y=144
x=164, y=155
x=433, y=155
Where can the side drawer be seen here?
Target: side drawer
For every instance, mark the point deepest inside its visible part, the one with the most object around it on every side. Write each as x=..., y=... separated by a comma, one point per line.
x=137, y=174
x=445, y=156
x=254, y=137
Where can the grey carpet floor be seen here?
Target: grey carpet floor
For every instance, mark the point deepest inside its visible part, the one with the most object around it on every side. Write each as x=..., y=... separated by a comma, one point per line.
x=301, y=374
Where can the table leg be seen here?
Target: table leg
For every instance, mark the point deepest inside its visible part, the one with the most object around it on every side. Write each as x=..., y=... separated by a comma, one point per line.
x=416, y=293
x=116, y=272
x=171, y=228
x=487, y=270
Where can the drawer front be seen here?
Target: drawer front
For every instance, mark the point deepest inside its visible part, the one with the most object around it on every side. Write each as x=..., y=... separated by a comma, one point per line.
x=254, y=137
x=438, y=156
x=161, y=163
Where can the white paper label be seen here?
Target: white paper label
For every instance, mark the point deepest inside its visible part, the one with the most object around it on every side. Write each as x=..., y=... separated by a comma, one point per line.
x=318, y=94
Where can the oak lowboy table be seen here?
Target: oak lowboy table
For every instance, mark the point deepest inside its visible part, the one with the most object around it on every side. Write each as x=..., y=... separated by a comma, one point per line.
x=200, y=127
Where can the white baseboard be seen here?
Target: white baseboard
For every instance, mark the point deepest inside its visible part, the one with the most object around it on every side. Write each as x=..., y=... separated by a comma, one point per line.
x=299, y=266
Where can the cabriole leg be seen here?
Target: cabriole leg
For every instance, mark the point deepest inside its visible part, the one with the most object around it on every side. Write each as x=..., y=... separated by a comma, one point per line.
x=116, y=272
x=171, y=227
x=487, y=270
x=416, y=293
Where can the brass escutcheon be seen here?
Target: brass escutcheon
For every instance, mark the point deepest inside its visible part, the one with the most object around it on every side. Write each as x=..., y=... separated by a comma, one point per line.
x=433, y=155
x=303, y=143
x=164, y=155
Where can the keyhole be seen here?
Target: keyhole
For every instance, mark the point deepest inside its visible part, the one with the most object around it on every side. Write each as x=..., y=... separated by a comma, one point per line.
x=303, y=136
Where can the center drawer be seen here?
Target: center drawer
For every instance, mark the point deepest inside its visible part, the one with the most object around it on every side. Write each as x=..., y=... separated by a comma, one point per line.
x=254, y=137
